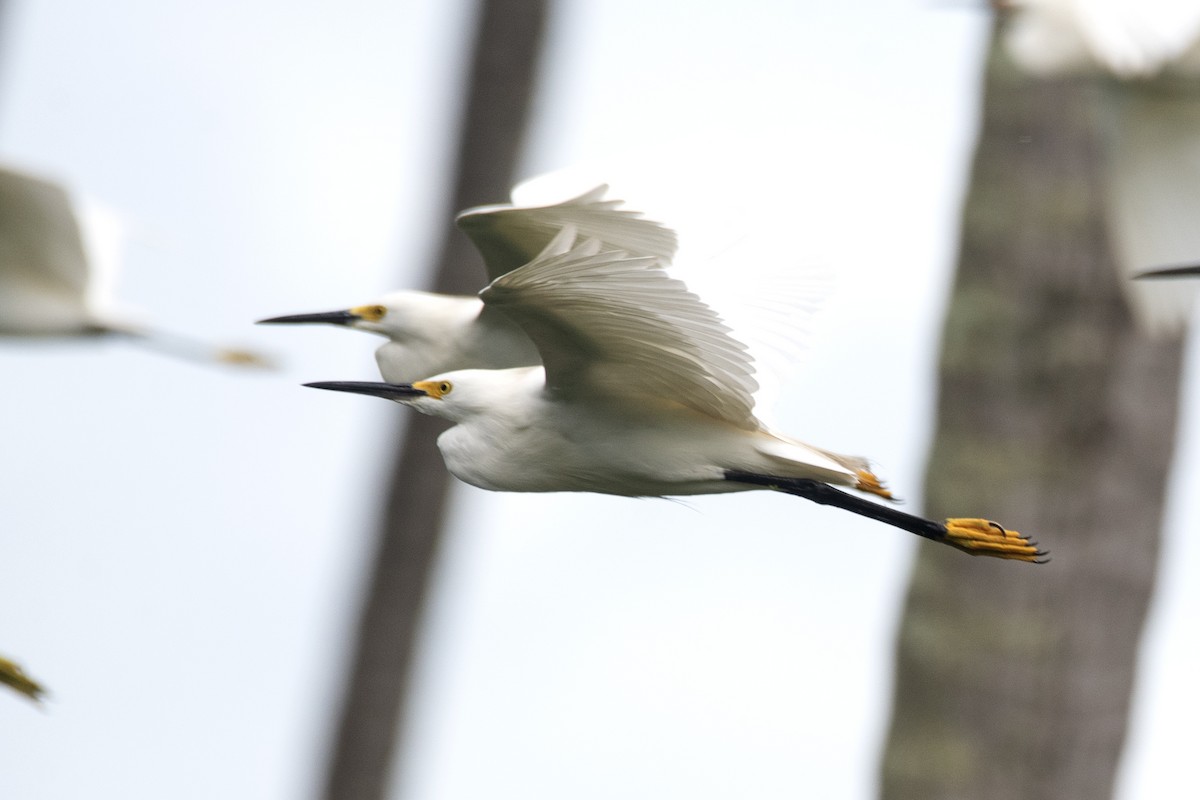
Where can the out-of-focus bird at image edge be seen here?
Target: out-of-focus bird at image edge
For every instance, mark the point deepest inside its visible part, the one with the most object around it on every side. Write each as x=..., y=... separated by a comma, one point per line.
x=1189, y=271
x=1149, y=121
x=643, y=392
x=14, y=677
x=432, y=333
x=52, y=274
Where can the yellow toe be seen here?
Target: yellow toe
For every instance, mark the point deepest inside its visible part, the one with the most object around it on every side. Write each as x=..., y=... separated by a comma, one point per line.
x=867, y=482
x=243, y=358
x=13, y=676
x=982, y=537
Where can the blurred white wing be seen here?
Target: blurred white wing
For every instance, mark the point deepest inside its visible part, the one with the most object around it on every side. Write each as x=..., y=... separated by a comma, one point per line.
x=1125, y=38
x=508, y=236
x=606, y=323
x=40, y=242
x=770, y=307
x=104, y=232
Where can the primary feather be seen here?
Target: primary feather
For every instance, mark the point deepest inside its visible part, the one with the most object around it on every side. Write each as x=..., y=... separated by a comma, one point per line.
x=509, y=236
x=607, y=323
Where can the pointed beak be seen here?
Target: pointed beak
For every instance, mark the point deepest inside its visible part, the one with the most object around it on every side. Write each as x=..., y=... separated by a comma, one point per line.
x=1170, y=272
x=327, y=317
x=389, y=391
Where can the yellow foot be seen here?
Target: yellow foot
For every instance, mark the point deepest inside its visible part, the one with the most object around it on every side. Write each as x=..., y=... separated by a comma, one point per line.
x=243, y=358
x=867, y=482
x=982, y=537
x=12, y=675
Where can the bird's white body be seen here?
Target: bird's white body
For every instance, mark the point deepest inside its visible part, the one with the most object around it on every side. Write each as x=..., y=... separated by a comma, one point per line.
x=641, y=392
x=514, y=435
x=32, y=309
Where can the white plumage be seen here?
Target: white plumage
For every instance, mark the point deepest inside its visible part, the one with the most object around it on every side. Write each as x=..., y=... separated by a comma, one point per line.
x=46, y=286
x=643, y=392
x=603, y=323
x=54, y=267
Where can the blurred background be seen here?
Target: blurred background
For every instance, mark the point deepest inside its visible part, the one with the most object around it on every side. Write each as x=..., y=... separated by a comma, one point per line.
x=182, y=547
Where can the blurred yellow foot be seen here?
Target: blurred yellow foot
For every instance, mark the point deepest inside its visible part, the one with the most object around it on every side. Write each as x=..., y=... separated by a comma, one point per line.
x=982, y=537
x=867, y=482
x=12, y=675
x=243, y=358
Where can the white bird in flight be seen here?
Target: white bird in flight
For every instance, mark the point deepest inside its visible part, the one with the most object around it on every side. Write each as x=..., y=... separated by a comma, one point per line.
x=432, y=333
x=49, y=275
x=643, y=392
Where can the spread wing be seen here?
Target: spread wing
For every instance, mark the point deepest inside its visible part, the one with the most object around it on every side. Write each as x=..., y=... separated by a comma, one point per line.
x=509, y=236
x=612, y=324
x=40, y=240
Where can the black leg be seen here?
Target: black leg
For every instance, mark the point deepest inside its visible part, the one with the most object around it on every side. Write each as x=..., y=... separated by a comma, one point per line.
x=974, y=536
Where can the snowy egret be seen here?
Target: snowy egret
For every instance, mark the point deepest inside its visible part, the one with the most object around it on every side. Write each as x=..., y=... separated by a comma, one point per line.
x=48, y=274
x=643, y=393
x=432, y=333
x=1149, y=114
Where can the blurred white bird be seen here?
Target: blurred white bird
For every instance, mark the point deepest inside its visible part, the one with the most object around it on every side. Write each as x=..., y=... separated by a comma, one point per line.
x=431, y=333
x=49, y=274
x=1150, y=121
x=1129, y=39
x=643, y=393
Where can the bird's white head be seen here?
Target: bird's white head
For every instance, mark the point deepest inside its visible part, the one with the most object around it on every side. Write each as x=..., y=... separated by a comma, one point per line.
x=400, y=316
x=429, y=334
x=458, y=396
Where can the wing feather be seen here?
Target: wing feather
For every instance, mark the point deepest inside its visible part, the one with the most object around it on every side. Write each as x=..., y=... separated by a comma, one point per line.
x=509, y=236
x=609, y=323
x=40, y=240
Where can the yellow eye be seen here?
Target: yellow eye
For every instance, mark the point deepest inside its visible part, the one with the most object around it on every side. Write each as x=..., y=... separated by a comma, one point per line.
x=435, y=389
x=370, y=313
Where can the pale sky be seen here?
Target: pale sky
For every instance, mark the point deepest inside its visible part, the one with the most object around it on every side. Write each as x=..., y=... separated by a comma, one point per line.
x=181, y=547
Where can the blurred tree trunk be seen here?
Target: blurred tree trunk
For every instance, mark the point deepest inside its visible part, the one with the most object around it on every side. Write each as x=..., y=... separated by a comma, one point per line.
x=1056, y=416
x=498, y=98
